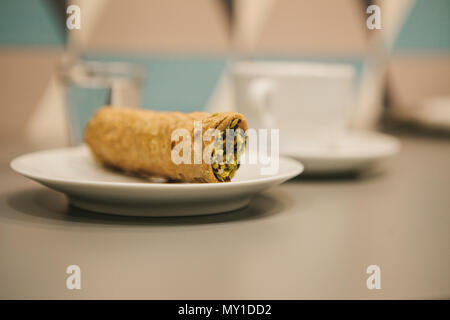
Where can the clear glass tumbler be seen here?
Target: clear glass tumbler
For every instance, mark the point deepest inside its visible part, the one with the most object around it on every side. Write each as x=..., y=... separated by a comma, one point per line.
x=89, y=86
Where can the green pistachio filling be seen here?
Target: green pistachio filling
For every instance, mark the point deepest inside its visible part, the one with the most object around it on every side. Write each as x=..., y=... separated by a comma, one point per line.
x=225, y=154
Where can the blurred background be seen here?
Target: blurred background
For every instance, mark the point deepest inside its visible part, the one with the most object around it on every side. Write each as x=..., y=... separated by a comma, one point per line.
x=183, y=48
x=317, y=235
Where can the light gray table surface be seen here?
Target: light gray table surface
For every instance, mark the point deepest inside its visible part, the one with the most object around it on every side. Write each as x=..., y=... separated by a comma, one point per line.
x=308, y=238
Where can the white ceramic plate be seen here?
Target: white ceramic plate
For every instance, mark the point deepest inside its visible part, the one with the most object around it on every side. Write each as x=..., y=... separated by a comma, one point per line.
x=92, y=187
x=354, y=151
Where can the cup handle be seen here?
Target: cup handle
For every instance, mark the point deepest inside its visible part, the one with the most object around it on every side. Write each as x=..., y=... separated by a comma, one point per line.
x=260, y=92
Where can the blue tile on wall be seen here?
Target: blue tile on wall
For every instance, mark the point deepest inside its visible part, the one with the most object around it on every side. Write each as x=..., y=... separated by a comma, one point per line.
x=25, y=22
x=174, y=83
x=426, y=28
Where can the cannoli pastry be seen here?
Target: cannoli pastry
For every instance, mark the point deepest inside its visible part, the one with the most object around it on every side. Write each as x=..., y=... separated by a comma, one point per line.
x=145, y=142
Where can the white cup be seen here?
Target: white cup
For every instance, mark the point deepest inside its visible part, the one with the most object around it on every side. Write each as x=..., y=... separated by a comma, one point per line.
x=310, y=103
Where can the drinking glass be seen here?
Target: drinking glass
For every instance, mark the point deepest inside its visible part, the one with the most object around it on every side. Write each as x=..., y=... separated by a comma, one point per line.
x=89, y=86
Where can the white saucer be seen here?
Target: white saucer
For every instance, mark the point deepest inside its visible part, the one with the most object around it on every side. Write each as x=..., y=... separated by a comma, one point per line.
x=92, y=187
x=353, y=152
